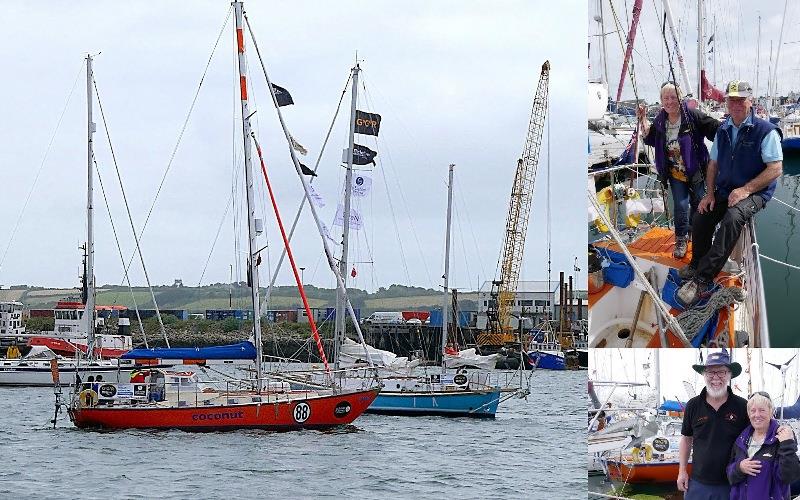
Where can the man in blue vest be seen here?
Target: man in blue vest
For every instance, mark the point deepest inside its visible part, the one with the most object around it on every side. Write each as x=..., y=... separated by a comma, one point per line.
x=746, y=160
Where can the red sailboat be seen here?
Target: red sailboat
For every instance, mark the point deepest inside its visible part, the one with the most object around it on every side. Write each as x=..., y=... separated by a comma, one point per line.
x=164, y=399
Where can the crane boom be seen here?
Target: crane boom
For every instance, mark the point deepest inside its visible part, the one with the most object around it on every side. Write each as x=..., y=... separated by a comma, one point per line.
x=504, y=289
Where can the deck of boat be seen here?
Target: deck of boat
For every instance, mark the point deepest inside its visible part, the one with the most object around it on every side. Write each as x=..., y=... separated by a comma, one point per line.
x=656, y=245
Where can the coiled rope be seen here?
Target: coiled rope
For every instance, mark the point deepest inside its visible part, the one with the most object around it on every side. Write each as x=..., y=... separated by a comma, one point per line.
x=692, y=320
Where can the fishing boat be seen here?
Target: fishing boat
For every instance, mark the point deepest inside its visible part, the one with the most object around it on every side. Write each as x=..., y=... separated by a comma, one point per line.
x=258, y=402
x=69, y=332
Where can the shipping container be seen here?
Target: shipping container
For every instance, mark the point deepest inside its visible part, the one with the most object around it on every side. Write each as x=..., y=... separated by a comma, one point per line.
x=465, y=318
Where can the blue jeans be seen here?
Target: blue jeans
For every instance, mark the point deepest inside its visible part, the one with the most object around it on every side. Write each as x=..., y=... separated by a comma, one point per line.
x=685, y=198
x=701, y=491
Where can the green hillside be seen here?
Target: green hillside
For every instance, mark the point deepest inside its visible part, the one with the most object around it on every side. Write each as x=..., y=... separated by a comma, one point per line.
x=220, y=296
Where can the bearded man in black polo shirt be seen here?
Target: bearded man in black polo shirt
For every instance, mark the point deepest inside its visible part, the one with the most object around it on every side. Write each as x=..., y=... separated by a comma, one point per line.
x=711, y=423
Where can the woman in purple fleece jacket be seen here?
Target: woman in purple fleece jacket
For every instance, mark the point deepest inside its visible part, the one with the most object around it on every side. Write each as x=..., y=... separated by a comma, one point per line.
x=764, y=457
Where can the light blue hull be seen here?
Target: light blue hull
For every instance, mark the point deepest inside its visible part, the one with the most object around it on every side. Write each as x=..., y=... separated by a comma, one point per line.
x=450, y=404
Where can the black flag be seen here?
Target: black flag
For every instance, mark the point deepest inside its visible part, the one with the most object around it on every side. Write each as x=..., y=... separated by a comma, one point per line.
x=362, y=155
x=307, y=171
x=282, y=95
x=367, y=123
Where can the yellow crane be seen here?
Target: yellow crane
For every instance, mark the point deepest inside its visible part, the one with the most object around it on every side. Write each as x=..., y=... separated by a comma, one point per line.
x=499, y=331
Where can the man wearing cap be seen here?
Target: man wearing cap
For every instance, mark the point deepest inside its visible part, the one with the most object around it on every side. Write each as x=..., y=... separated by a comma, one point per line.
x=746, y=161
x=712, y=421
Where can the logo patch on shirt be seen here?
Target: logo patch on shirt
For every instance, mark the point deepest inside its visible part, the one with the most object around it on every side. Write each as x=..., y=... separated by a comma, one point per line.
x=731, y=417
x=767, y=455
x=701, y=420
x=747, y=144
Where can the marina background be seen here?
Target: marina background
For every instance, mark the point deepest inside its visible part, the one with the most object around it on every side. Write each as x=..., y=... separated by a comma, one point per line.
x=778, y=238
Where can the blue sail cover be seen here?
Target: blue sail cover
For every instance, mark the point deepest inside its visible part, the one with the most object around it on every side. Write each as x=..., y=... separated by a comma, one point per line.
x=789, y=411
x=672, y=405
x=242, y=350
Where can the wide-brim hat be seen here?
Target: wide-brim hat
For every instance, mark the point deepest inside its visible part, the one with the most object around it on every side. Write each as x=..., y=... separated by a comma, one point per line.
x=738, y=88
x=721, y=358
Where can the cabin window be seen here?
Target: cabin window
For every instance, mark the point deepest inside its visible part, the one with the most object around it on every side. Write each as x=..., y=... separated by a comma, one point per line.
x=526, y=302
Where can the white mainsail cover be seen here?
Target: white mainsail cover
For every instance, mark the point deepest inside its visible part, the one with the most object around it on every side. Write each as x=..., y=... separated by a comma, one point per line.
x=470, y=357
x=352, y=353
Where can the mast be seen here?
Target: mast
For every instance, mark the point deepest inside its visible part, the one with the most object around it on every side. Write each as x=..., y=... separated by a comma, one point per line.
x=341, y=319
x=758, y=54
x=678, y=52
x=778, y=54
x=445, y=308
x=701, y=51
x=604, y=51
x=637, y=10
x=657, y=365
x=252, y=254
x=88, y=313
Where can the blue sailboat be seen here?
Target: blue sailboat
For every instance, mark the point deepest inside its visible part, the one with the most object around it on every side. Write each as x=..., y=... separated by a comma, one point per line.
x=442, y=393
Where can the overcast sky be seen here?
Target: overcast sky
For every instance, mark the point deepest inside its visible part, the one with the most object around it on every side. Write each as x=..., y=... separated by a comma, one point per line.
x=453, y=80
x=735, y=26
x=638, y=365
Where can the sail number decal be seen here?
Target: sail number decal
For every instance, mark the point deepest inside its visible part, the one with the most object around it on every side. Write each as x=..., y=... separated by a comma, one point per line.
x=301, y=412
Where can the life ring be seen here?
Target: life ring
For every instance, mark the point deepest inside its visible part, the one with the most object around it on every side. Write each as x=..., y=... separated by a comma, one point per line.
x=87, y=398
x=636, y=453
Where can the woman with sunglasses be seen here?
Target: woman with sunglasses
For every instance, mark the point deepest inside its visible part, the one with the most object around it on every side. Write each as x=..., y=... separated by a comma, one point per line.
x=764, y=457
x=681, y=156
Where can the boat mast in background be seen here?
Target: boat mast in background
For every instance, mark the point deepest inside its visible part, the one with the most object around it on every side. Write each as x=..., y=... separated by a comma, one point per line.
x=701, y=51
x=252, y=254
x=88, y=314
x=445, y=306
x=341, y=318
x=678, y=52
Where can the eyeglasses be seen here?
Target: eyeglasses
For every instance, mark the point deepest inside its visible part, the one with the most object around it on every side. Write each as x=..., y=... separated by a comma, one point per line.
x=721, y=374
x=760, y=393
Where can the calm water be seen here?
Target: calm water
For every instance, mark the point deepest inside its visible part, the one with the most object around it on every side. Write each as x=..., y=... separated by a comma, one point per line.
x=534, y=449
x=779, y=238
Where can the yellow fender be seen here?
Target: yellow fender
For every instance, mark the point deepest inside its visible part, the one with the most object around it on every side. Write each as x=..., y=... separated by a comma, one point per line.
x=636, y=453
x=633, y=219
x=87, y=398
x=605, y=197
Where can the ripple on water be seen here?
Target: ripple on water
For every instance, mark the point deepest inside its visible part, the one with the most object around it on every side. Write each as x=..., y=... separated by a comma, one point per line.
x=533, y=449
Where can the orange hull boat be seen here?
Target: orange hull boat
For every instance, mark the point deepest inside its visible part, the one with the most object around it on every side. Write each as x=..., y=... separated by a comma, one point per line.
x=313, y=412
x=643, y=472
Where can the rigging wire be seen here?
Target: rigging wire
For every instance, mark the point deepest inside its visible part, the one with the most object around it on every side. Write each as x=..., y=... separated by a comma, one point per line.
x=460, y=199
x=119, y=250
x=368, y=98
x=214, y=243
x=128, y=209
x=41, y=166
x=180, y=136
x=385, y=148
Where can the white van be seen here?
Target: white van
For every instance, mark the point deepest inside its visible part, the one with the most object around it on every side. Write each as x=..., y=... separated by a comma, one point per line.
x=384, y=318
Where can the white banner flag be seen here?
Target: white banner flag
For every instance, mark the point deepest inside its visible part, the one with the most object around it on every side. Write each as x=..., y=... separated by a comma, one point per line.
x=362, y=185
x=315, y=197
x=355, y=218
